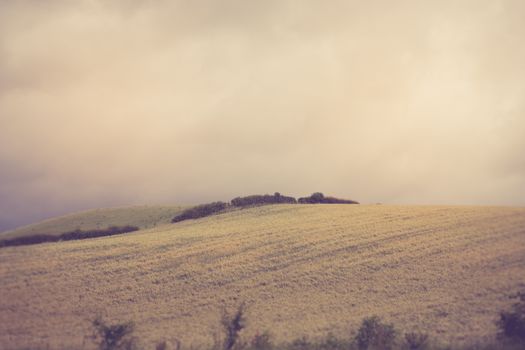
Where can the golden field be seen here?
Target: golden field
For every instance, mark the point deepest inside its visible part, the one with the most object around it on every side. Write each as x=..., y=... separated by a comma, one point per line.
x=301, y=269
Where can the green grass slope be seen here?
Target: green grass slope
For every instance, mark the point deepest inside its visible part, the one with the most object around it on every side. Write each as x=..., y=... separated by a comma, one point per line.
x=140, y=216
x=301, y=269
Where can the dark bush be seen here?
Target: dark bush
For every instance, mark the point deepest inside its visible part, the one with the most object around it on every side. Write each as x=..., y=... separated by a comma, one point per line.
x=114, y=337
x=110, y=231
x=261, y=342
x=416, y=341
x=512, y=323
x=33, y=239
x=375, y=335
x=67, y=236
x=166, y=345
x=333, y=200
x=200, y=211
x=277, y=198
x=232, y=325
x=302, y=343
x=318, y=197
x=331, y=342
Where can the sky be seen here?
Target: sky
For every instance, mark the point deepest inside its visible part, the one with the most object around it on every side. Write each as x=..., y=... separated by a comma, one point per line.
x=128, y=102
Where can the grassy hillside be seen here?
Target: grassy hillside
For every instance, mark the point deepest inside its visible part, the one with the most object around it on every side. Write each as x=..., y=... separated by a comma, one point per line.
x=302, y=269
x=141, y=216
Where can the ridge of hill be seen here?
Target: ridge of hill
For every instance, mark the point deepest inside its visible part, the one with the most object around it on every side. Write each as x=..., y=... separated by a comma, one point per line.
x=143, y=217
x=95, y=219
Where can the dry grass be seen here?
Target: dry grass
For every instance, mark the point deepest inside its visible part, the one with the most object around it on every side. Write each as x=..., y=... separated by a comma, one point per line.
x=302, y=270
x=141, y=216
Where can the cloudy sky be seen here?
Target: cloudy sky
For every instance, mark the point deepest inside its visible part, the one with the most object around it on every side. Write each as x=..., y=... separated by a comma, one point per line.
x=110, y=103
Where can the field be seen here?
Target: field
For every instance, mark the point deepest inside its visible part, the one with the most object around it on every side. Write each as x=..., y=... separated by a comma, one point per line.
x=301, y=269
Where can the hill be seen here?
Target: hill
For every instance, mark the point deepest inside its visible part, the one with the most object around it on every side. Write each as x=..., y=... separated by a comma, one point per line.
x=302, y=270
x=141, y=216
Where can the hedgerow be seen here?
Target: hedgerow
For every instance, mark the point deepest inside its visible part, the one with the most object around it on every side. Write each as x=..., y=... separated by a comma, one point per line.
x=319, y=198
x=276, y=198
x=200, y=211
x=67, y=236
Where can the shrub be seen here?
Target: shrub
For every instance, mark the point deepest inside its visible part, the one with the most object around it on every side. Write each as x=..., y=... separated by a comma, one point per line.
x=200, y=211
x=512, y=323
x=261, y=342
x=373, y=334
x=318, y=197
x=331, y=342
x=301, y=344
x=114, y=337
x=416, y=341
x=277, y=198
x=166, y=345
x=232, y=325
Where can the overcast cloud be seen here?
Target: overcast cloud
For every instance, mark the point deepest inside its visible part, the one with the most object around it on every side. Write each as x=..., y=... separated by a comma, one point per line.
x=106, y=103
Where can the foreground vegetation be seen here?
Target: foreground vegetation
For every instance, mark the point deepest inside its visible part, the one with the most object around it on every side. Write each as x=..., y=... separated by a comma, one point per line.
x=373, y=334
